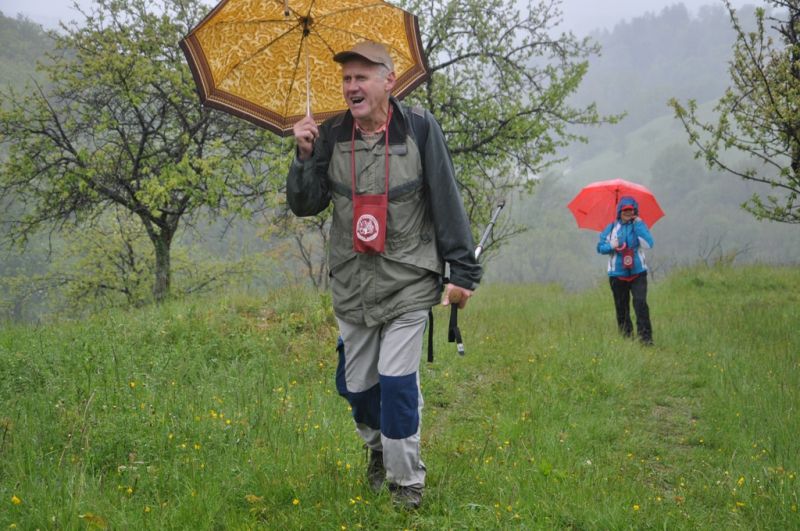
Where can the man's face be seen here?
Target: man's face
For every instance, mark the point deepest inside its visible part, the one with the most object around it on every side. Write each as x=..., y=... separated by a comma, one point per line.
x=627, y=214
x=366, y=87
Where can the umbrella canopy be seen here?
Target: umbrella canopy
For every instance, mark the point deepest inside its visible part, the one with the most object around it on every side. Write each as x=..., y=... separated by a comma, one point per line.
x=268, y=61
x=595, y=206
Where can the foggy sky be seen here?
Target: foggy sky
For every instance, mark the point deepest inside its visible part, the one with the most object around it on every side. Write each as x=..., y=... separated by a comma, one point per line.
x=580, y=16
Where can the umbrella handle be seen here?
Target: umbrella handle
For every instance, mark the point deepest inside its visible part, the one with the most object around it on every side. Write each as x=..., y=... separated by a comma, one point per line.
x=308, y=85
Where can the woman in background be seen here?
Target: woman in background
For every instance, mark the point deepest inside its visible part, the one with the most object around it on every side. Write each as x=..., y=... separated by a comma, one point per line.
x=624, y=240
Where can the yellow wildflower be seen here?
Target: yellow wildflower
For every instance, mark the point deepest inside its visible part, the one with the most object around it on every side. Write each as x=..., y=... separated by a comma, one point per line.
x=15, y=500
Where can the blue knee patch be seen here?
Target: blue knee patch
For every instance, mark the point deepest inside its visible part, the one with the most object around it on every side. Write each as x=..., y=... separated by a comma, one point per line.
x=399, y=406
x=366, y=405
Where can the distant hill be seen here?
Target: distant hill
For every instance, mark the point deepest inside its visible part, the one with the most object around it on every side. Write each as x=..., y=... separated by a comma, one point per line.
x=651, y=59
x=22, y=43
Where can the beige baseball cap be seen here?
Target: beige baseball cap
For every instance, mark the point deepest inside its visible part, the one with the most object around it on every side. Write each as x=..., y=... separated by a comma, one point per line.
x=373, y=52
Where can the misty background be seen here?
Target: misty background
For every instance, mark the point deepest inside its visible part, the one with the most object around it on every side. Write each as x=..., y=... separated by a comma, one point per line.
x=650, y=51
x=580, y=16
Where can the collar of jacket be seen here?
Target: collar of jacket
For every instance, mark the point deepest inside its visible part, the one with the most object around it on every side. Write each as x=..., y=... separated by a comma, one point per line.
x=397, y=127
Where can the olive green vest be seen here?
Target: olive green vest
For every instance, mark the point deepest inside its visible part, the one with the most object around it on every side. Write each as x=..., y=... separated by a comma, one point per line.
x=376, y=288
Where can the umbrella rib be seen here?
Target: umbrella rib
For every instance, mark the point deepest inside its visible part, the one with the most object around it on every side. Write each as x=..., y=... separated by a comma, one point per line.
x=355, y=8
x=319, y=24
x=307, y=17
x=319, y=21
x=335, y=29
x=262, y=48
x=294, y=77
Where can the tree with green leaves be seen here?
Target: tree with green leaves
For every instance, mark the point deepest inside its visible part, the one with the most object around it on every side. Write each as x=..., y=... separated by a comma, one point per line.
x=112, y=264
x=758, y=115
x=502, y=78
x=119, y=125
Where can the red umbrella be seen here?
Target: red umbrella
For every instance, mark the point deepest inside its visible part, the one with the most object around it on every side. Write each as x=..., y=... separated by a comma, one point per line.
x=595, y=206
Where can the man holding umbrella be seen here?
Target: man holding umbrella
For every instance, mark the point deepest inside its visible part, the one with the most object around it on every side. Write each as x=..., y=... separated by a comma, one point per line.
x=397, y=218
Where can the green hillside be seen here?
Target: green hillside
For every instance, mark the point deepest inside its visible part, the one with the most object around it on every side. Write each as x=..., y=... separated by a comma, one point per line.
x=22, y=43
x=212, y=414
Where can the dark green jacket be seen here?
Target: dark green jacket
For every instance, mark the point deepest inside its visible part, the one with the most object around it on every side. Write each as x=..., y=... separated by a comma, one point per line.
x=426, y=222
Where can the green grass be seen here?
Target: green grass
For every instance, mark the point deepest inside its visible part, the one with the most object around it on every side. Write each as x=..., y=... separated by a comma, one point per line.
x=223, y=414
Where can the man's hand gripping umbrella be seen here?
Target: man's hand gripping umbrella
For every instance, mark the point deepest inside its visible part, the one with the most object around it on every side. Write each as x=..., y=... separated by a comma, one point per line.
x=453, y=298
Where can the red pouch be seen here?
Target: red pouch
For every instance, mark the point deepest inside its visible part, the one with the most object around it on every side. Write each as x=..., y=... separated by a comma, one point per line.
x=369, y=211
x=627, y=258
x=369, y=223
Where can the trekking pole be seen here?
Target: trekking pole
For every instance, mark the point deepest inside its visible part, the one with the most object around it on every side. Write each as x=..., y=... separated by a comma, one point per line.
x=489, y=228
x=454, y=333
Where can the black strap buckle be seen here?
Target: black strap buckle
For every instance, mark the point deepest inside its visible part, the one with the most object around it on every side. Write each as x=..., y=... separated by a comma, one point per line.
x=453, y=333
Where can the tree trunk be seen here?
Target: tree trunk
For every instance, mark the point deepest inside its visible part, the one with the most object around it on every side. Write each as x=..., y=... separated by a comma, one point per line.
x=163, y=272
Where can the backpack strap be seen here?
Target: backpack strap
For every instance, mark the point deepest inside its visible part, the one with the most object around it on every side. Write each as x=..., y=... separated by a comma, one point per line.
x=419, y=128
x=334, y=130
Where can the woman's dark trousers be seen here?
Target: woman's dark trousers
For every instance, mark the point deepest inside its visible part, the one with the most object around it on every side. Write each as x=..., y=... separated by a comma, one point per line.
x=622, y=291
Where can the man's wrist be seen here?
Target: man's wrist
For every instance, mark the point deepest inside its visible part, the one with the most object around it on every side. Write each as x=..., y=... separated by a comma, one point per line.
x=298, y=154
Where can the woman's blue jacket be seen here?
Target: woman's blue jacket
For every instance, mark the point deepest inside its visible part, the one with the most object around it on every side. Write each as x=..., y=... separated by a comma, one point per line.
x=635, y=235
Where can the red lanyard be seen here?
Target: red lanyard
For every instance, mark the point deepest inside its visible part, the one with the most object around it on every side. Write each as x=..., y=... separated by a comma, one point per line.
x=386, y=154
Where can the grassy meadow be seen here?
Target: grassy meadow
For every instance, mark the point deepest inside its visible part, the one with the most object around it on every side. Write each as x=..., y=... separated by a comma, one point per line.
x=223, y=414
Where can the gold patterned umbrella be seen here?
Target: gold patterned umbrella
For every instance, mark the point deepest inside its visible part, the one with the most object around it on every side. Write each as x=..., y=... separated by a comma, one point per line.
x=269, y=61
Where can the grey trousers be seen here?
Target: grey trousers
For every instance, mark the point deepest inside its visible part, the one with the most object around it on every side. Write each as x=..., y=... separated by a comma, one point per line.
x=379, y=375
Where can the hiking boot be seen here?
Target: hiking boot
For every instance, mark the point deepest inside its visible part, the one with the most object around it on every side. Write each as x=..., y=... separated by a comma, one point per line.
x=376, y=474
x=406, y=496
